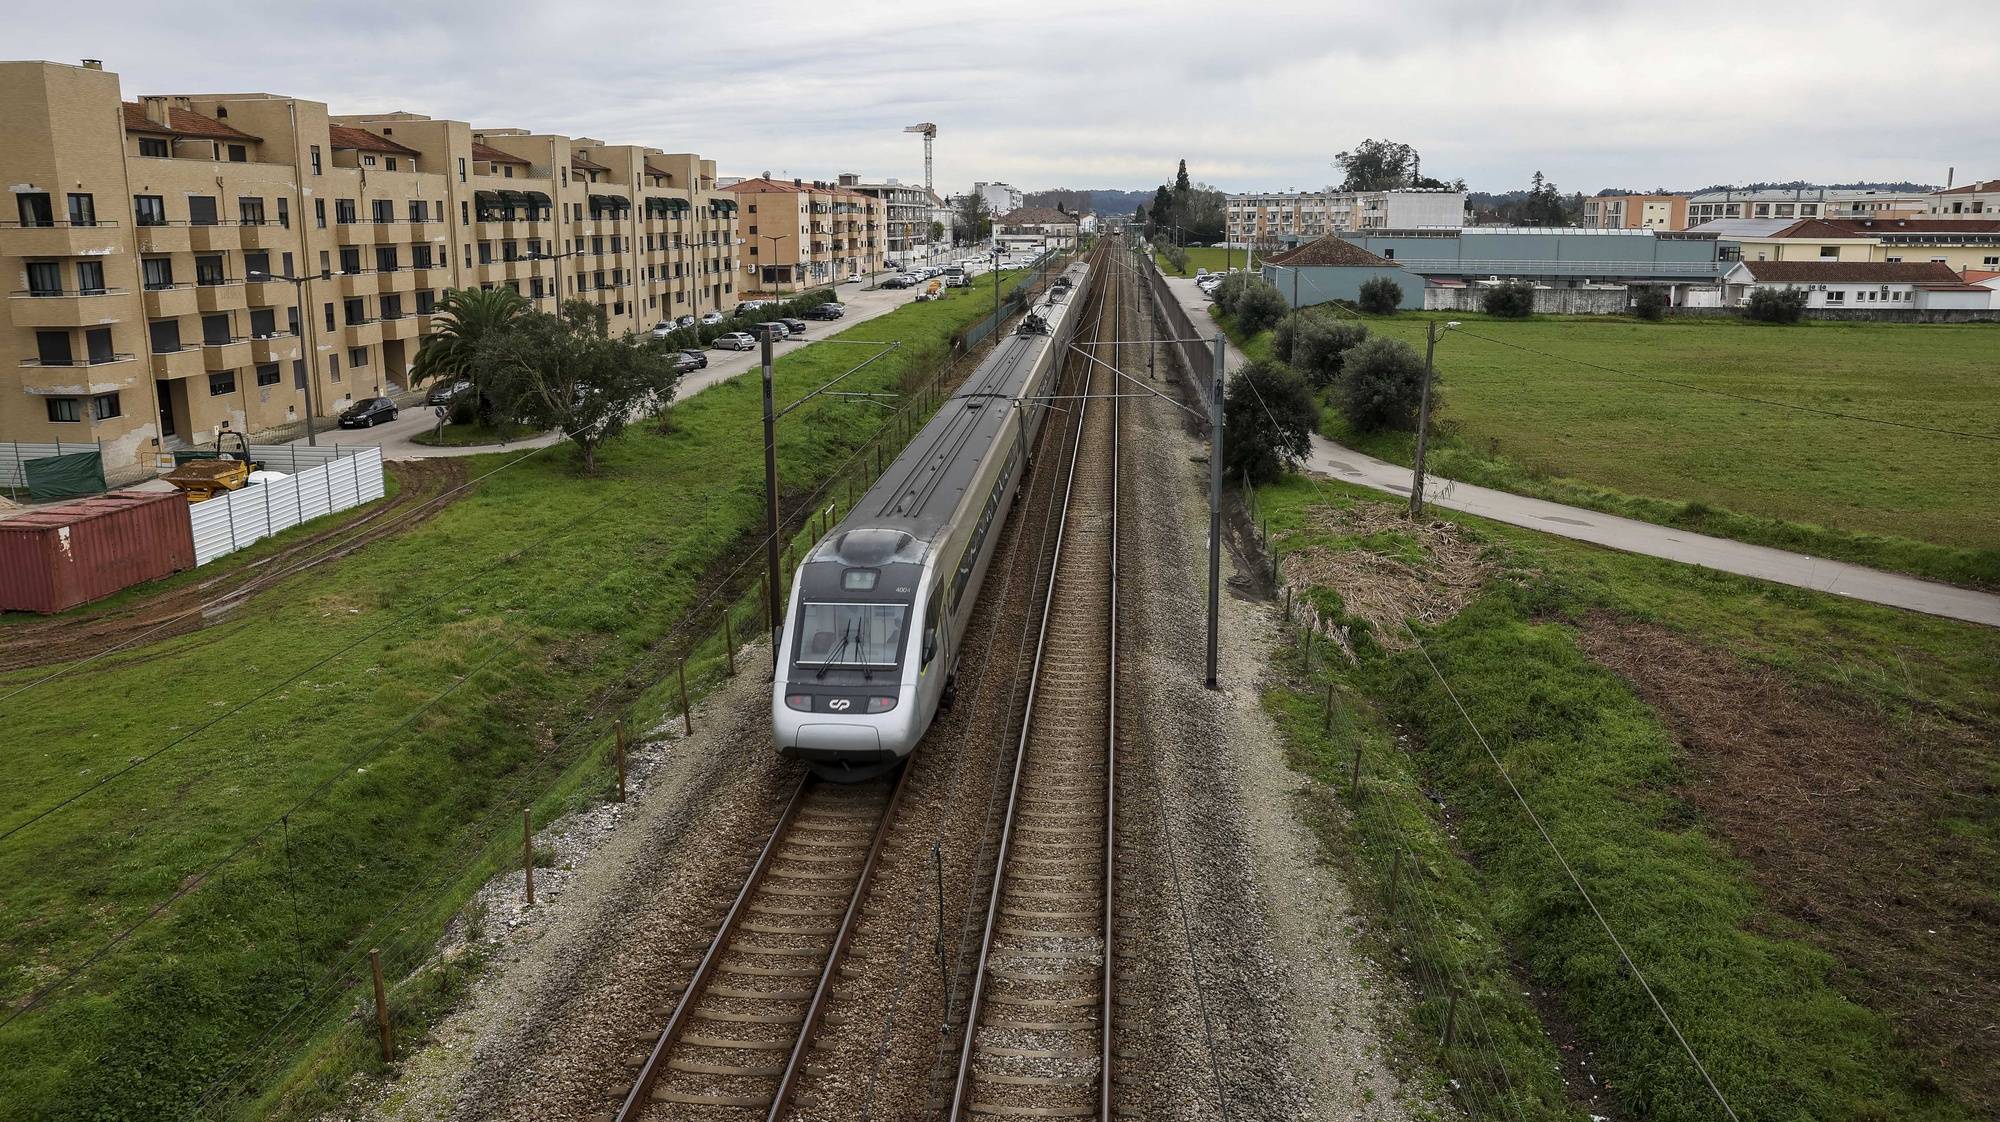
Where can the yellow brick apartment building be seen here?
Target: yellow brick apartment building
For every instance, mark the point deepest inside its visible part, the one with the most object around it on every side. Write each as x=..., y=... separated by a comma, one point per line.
x=149, y=242
x=800, y=233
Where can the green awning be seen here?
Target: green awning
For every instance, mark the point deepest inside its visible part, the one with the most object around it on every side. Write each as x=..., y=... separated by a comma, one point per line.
x=536, y=197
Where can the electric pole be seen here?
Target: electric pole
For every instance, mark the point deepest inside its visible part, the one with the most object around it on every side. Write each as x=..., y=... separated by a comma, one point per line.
x=1424, y=418
x=1214, y=507
x=773, y=582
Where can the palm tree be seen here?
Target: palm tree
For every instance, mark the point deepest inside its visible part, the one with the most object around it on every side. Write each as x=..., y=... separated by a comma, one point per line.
x=466, y=318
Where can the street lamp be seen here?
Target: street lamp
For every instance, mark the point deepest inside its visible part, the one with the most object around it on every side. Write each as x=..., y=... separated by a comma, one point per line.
x=1424, y=418
x=305, y=316
x=774, y=239
x=557, y=279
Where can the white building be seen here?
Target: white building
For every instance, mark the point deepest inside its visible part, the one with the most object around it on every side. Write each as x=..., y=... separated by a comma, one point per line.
x=1805, y=202
x=1929, y=285
x=1272, y=219
x=1974, y=200
x=1001, y=198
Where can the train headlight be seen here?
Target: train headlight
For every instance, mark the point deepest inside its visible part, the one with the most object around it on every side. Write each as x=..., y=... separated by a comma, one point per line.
x=881, y=704
x=803, y=702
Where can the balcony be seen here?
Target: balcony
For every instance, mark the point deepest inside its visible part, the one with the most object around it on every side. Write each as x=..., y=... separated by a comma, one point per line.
x=354, y=233
x=363, y=334
x=223, y=296
x=266, y=235
x=230, y=355
x=63, y=309
x=58, y=239
x=214, y=236
x=355, y=284
x=430, y=276
x=78, y=376
x=183, y=363
x=402, y=325
x=169, y=300
x=266, y=293
x=163, y=237
x=395, y=279
x=281, y=347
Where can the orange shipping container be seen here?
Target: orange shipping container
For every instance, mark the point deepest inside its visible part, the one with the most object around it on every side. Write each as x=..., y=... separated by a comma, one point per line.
x=62, y=556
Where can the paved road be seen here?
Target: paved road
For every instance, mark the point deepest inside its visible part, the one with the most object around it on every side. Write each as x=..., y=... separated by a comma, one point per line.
x=1630, y=536
x=396, y=437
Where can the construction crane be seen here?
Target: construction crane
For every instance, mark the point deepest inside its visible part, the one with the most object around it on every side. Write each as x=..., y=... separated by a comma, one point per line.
x=930, y=137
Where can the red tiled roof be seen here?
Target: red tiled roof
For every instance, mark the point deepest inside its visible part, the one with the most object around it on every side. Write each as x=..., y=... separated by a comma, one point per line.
x=1852, y=272
x=181, y=122
x=661, y=172
x=1973, y=188
x=1929, y=287
x=1978, y=276
x=487, y=154
x=361, y=140
x=1037, y=216
x=1329, y=250
x=763, y=186
x=585, y=163
x=1875, y=227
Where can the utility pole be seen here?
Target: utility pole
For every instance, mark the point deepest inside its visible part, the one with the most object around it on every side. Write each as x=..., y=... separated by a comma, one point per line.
x=771, y=582
x=1214, y=507
x=1424, y=418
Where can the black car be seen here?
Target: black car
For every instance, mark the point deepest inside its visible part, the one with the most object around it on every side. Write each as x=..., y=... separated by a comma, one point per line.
x=700, y=358
x=825, y=311
x=795, y=326
x=684, y=362
x=367, y=413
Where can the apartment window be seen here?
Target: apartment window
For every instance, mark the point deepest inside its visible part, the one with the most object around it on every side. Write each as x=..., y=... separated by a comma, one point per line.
x=507, y=171
x=64, y=409
x=333, y=368
x=509, y=251
x=105, y=406
x=1784, y=210
x=315, y=159
x=268, y=374
x=82, y=210
x=597, y=245
x=1829, y=252
x=1836, y=296
x=565, y=177
x=420, y=255
x=250, y=211
x=461, y=169
x=350, y=259
x=384, y=210
x=34, y=206
x=147, y=210
x=485, y=253
x=357, y=357
x=392, y=162
x=391, y=306
x=215, y=329
x=344, y=212
x=426, y=300
x=357, y=309
x=44, y=278
x=165, y=336
x=298, y=373
x=1991, y=262
x=284, y=213
x=223, y=383
x=89, y=278
x=292, y=321
x=97, y=344
x=368, y=161
x=419, y=211
x=325, y=264
x=154, y=146
x=256, y=263
x=1808, y=210
x=1893, y=260
x=385, y=258
x=465, y=214
x=52, y=348
x=208, y=269
x=263, y=322
x=201, y=210
x=330, y=324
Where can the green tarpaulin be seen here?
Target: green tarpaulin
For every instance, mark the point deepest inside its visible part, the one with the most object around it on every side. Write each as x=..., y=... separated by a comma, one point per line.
x=70, y=476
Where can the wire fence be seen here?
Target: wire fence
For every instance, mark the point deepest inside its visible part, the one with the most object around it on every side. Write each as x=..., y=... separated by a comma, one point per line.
x=309, y=963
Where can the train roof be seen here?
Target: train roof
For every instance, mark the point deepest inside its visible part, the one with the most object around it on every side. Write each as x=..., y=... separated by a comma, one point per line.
x=912, y=504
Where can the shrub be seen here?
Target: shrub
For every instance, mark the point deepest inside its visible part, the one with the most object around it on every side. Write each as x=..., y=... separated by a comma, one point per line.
x=1230, y=291
x=1267, y=418
x=1322, y=345
x=1380, y=383
x=1176, y=257
x=1650, y=304
x=1381, y=296
x=1777, y=305
x=1259, y=306
x=1513, y=299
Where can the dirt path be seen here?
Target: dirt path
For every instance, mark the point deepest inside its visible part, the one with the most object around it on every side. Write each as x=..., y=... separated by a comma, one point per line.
x=191, y=606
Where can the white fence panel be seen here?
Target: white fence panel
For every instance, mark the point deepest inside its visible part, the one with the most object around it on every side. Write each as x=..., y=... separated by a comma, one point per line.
x=233, y=520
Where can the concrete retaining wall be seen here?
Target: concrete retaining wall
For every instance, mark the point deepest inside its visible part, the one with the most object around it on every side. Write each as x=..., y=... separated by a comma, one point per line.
x=1548, y=301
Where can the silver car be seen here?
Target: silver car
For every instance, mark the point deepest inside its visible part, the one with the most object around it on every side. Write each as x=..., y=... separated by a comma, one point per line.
x=735, y=341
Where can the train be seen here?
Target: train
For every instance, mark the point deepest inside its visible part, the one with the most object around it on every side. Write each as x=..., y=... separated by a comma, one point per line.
x=878, y=608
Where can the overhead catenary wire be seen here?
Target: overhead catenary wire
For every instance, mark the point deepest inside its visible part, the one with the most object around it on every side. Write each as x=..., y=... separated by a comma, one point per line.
x=1570, y=872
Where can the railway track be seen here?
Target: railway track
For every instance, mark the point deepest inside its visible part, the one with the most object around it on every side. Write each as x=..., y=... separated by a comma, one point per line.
x=1040, y=1018
x=738, y=1040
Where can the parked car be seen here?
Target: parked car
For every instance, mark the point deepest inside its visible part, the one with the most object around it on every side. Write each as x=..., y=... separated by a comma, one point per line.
x=960, y=279
x=825, y=311
x=750, y=306
x=662, y=329
x=794, y=326
x=899, y=281
x=735, y=341
x=699, y=358
x=683, y=364
x=710, y=319
x=368, y=412
x=777, y=331
x=854, y=278
x=444, y=393
x=684, y=321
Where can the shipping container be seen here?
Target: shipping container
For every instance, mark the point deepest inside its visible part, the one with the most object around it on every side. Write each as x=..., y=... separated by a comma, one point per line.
x=62, y=556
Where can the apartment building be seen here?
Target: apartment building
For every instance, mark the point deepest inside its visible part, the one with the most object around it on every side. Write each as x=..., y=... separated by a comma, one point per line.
x=1272, y=219
x=1959, y=244
x=1636, y=212
x=799, y=233
x=1974, y=200
x=1804, y=202
x=907, y=212
x=199, y=261
x=1001, y=198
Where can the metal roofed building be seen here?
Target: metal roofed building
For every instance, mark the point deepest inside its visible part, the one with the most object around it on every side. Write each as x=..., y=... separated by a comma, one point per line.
x=1555, y=256
x=1334, y=269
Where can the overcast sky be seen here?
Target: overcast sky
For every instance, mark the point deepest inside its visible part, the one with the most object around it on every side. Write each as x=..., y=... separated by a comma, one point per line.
x=1104, y=93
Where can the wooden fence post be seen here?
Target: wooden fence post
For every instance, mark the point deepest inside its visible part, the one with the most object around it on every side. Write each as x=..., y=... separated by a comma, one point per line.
x=618, y=728
x=729, y=638
x=381, y=1007
x=687, y=712
x=528, y=851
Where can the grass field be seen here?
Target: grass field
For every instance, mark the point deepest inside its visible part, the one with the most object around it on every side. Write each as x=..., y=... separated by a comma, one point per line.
x=1206, y=257
x=1523, y=412
x=337, y=740
x=1771, y=794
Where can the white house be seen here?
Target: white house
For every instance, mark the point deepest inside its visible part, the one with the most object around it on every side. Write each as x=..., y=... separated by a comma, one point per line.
x=1928, y=285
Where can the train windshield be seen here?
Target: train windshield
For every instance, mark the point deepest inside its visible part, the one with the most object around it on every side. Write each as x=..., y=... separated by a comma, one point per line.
x=850, y=634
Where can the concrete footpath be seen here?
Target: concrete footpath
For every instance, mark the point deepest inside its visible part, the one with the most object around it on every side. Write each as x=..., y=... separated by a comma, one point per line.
x=1631, y=536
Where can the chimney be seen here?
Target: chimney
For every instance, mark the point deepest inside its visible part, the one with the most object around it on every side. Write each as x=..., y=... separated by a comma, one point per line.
x=797, y=182
x=1948, y=172
x=156, y=109
x=93, y=64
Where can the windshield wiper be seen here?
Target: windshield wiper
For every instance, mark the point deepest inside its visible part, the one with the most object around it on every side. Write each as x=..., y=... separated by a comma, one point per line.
x=838, y=649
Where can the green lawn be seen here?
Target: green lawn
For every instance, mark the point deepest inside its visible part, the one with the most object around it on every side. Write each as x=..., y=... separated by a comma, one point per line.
x=1206, y=257
x=1877, y=494
x=1790, y=1026
x=524, y=604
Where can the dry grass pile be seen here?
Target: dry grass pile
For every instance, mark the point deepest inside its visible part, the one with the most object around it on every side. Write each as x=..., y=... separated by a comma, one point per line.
x=1387, y=569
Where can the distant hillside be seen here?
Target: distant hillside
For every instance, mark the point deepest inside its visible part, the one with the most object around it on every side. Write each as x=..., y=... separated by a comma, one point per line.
x=1091, y=200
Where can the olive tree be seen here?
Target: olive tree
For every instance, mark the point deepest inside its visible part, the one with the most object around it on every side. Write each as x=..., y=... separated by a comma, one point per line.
x=1380, y=384
x=1268, y=416
x=1380, y=296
